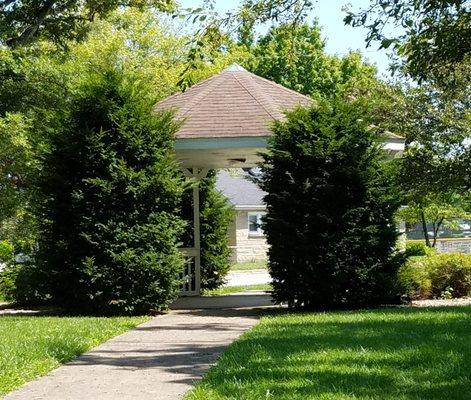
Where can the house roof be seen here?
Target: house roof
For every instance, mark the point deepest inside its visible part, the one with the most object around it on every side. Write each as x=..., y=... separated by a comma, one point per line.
x=234, y=103
x=239, y=189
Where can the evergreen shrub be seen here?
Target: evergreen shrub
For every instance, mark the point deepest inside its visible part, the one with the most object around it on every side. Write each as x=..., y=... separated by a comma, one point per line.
x=330, y=210
x=109, y=203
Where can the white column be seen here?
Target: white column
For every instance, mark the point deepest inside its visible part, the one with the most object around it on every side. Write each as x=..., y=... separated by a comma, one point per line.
x=197, y=233
x=196, y=174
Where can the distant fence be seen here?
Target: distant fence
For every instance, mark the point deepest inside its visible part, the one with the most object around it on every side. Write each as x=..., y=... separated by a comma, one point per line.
x=452, y=245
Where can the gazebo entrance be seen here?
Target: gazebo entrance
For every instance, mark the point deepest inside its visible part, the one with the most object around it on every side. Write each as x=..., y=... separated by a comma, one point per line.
x=226, y=122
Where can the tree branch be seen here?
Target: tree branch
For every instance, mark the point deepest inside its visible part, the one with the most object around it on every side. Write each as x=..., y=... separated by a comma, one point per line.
x=5, y=3
x=28, y=34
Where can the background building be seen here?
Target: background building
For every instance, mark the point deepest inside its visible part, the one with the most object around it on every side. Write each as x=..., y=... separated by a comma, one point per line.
x=247, y=239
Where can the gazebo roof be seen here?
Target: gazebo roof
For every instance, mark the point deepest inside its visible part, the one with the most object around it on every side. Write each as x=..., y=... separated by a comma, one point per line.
x=227, y=119
x=232, y=104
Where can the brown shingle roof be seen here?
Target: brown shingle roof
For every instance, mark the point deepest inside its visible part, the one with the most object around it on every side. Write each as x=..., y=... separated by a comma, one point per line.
x=233, y=103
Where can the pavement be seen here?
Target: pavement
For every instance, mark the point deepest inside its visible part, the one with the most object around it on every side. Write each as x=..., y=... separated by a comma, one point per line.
x=12, y=309
x=248, y=277
x=160, y=360
x=463, y=301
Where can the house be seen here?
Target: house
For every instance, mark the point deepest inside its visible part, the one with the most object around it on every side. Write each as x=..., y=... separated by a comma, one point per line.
x=247, y=240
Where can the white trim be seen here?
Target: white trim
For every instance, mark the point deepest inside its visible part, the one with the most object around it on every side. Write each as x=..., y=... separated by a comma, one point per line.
x=258, y=207
x=393, y=146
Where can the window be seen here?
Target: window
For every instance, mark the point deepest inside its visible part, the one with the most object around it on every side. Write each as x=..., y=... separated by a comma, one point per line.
x=255, y=223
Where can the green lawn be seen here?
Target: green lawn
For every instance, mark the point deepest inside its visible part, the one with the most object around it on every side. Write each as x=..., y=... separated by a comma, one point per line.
x=31, y=346
x=393, y=354
x=249, y=265
x=236, y=289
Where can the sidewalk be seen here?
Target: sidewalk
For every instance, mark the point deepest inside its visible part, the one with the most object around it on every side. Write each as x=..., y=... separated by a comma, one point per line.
x=159, y=360
x=248, y=277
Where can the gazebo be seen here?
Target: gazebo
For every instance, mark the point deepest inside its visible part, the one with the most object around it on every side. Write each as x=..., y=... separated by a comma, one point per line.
x=226, y=121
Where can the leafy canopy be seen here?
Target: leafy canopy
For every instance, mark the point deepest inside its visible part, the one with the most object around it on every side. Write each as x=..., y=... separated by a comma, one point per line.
x=432, y=38
x=23, y=22
x=294, y=56
x=436, y=211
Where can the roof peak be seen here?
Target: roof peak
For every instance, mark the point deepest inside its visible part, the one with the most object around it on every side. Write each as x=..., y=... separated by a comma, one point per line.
x=234, y=103
x=235, y=68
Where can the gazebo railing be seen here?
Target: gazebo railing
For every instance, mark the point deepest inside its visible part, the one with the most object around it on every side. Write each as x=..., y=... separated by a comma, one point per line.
x=188, y=276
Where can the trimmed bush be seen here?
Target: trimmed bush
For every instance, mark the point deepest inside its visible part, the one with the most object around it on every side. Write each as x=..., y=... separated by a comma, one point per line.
x=436, y=276
x=418, y=249
x=7, y=283
x=414, y=279
x=110, y=204
x=331, y=205
x=23, y=284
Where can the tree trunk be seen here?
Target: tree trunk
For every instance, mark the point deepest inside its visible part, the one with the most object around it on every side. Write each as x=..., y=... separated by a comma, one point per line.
x=436, y=228
x=424, y=228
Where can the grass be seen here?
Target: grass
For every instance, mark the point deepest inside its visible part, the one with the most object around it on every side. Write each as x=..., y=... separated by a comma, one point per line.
x=245, y=266
x=236, y=289
x=392, y=354
x=31, y=346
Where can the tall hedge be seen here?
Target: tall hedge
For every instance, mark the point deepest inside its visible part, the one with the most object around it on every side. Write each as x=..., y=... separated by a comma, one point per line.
x=109, y=204
x=216, y=214
x=330, y=206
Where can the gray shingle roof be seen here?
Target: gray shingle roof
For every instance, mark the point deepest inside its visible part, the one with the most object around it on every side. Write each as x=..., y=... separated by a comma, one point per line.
x=233, y=103
x=240, y=191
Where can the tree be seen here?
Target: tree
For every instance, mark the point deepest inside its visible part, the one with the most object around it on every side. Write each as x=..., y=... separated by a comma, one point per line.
x=331, y=205
x=24, y=22
x=216, y=216
x=37, y=85
x=433, y=175
x=109, y=203
x=294, y=57
x=438, y=211
x=433, y=38
x=17, y=164
x=15, y=155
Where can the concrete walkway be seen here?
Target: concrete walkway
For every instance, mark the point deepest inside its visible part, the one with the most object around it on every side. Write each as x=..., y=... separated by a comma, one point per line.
x=158, y=360
x=248, y=277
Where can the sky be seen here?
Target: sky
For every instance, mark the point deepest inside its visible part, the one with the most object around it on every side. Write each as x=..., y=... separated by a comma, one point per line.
x=340, y=39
